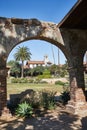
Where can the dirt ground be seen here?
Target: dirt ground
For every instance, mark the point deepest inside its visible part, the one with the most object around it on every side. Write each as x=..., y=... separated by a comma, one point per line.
x=57, y=119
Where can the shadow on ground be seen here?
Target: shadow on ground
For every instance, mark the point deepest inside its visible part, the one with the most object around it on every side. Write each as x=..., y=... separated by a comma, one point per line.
x=49, y=121
x=57, y=119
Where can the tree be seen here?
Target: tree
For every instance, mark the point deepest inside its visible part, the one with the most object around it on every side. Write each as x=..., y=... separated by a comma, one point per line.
x=15, y=69
x=10, y=63
x=37, y=70
x=54, y=69
x=22, y=54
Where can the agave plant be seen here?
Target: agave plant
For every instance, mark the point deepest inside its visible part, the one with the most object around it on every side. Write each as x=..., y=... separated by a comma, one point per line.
x=24, y=110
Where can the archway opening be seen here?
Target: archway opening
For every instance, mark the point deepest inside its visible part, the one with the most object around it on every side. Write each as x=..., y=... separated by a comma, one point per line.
x=38, y=49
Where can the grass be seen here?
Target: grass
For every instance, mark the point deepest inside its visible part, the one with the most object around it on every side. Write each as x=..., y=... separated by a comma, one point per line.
x=15, y=88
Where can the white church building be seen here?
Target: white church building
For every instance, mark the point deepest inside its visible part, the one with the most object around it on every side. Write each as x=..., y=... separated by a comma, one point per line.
x=32, y=64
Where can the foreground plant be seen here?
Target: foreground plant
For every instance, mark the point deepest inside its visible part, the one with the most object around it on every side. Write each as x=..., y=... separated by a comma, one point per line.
x=65, y=95
x=48, y=101
x=24, y=110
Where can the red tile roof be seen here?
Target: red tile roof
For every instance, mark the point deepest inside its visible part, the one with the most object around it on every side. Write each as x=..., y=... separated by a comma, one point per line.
x=35, y=62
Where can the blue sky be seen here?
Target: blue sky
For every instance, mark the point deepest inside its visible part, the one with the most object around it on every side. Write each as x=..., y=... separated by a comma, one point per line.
x=45, y=10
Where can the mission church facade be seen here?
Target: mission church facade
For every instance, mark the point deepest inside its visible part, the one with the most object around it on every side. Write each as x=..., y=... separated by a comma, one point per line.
x=33, y=64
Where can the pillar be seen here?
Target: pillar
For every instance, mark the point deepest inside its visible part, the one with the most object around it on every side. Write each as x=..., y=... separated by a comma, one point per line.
x=77, y=103
x=75, y=43
x=3, y=84
x=3, y=92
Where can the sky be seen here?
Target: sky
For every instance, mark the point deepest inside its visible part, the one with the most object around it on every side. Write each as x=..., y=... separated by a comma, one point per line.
x=44, y=10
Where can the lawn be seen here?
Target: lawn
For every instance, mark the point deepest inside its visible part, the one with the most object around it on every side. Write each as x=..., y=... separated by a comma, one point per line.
x=15, y=88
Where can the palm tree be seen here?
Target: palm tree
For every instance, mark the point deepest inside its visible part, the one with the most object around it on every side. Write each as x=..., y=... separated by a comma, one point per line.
x=22, y=54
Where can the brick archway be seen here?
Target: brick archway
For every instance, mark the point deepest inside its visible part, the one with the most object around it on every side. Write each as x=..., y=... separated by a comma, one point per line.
x=14, y=31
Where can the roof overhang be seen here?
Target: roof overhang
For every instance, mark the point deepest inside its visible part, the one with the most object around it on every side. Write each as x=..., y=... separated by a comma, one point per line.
x=77, y=16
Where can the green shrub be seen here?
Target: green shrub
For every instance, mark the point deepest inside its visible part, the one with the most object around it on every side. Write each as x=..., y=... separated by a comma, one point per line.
x=23, y=80
x=44, y=76
x=19, y=80
x=59, y=83
x=30, y=81
x=65, y=95
x=14, y=80
x=48, y=101
x=44, y=99
x=24, y=110
x=37, y=80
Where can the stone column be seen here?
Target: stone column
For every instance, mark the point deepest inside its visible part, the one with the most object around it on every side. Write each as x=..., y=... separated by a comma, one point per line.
x=75, y=42
x=3, y=86
x=77, y=103
x=3, y=90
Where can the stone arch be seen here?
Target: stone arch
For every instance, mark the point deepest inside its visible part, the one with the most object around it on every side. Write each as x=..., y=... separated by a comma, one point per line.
x=72, y=42
x=30, y=30
x=15, y=31
x=42, y=39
